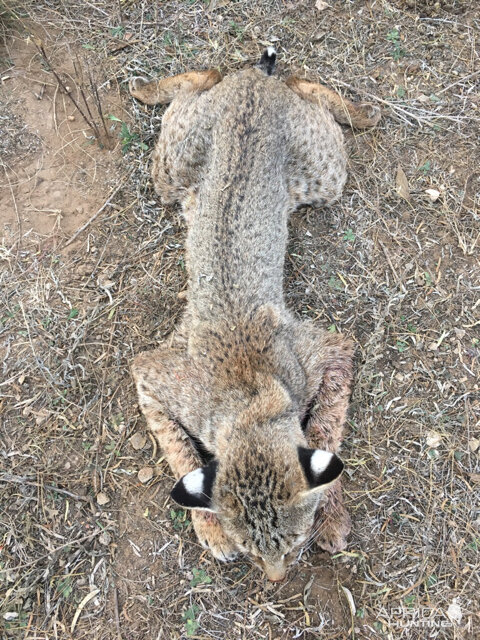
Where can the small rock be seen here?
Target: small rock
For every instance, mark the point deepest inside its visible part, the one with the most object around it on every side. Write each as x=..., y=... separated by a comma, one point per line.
x=433, y=439
x=433, y=194
x=105, y=538
x=460, y=333
x=102, y=498
x=138, y=441
x=145, y=474
x=41, y=416
x=71, y=118
x=10, y=615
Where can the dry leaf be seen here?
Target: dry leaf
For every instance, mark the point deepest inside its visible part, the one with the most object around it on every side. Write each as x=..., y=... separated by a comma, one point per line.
x=473, y=444
x=433, y=194
x=145, y=474
x=138, y=441
x=320, y=5
x=401, y=184
x=433, y=439
x=104, y=281
x=102, y=498
x=350, y=600
x=454, y=611
x=41, y=416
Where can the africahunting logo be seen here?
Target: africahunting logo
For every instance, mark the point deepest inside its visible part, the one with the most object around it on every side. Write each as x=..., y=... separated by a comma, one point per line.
x=412, y=617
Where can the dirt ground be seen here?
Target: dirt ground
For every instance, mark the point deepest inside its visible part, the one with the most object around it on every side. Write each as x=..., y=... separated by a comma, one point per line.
x=90, y=267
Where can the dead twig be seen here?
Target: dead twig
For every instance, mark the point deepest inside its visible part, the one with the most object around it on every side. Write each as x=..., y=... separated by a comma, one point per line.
x=97, y=213
x=6, y=477
x=89, y=121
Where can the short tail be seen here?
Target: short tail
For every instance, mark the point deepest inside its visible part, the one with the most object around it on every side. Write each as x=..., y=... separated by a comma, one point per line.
x=267, y=61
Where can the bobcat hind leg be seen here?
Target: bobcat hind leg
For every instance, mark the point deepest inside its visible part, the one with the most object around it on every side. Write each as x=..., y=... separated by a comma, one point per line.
x=358, y=116
x=164, y=90
x=324, y=430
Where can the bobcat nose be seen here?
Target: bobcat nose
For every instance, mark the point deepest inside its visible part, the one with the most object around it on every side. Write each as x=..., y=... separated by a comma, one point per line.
x=277, y=579
x=276, y=573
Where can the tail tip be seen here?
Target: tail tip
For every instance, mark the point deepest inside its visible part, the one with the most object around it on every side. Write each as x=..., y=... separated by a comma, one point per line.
x=267, y=61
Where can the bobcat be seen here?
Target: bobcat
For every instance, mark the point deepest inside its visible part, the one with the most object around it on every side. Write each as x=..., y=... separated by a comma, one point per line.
x=246, y=401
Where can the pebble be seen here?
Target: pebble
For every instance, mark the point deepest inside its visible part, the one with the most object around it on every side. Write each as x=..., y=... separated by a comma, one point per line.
x=105, y=538
x=102, y=498
x=145, y=474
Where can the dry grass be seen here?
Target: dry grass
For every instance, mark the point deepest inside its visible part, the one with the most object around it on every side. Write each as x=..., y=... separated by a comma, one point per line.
x=399, y=274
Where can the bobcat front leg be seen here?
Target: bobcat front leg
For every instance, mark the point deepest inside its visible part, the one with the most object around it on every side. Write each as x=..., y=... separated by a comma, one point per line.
x=164, y=90
x=359, y=116
x=152, y=372
x=324, y=430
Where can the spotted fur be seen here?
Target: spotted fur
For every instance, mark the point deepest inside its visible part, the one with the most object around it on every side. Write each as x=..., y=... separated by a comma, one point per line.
x=247, y=402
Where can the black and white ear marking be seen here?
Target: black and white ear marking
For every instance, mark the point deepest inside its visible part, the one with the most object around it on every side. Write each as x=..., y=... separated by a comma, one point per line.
x=321, y=468
x=194, y=490
x=267, y=61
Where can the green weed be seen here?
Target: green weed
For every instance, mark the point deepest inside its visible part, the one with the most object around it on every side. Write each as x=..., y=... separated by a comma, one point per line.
x=179, y=519
x=393, y=36
x=191, y=624
x=199, y=577
x=127, y=138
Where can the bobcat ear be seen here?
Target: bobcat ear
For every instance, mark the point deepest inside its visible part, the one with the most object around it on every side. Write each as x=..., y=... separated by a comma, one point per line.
x=194, y=490
x=321, y=468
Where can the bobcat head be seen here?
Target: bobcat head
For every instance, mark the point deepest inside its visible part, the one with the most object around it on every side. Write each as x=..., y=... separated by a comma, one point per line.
x=265, y=496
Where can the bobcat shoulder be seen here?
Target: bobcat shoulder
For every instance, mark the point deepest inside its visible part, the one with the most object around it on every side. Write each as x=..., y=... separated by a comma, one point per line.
x=248, y=402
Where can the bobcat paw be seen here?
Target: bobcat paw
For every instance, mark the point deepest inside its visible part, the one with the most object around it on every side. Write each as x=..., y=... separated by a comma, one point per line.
x=372, y=114
x=135, y=84
x=333, y=530
x=211, y=536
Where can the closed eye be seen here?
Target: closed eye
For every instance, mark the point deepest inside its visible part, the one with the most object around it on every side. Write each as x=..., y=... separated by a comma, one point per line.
x=258, y=560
